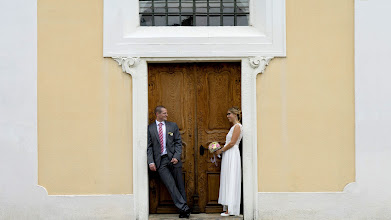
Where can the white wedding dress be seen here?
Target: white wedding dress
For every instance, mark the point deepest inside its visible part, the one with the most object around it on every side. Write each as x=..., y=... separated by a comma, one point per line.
x=231, y=175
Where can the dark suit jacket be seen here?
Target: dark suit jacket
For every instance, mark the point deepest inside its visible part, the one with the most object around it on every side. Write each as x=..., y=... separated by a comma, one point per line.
x=173, y=144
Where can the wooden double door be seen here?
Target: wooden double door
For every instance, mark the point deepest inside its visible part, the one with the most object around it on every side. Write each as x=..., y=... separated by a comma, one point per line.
x=197, y=97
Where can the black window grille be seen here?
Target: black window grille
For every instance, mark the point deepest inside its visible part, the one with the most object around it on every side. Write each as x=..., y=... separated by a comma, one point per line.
x=194, y=12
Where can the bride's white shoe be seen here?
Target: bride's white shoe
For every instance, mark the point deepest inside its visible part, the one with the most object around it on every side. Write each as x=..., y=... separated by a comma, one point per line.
x=224, y=214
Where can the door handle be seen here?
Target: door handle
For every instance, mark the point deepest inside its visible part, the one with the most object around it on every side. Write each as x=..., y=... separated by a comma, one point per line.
x=202, y=150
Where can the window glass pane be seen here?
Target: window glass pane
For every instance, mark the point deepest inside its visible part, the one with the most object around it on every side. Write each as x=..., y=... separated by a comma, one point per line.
x=173, y=20
x=145, y=20
x=160, y=20
x=159, y=10
x=187, y=7
x=242, y=20
x=159, y=6
x=194, y=12
x=201, y=4
x=187, y=20
x=201, y=21
x=146, y=10
x=214, y=4
x=214, y=10
x=228, y=21
x=242, y=8
x=173, y=10
x=214, y=20
x=228, y=7
x=173, y=7
x=201, y=10
x=146, y=4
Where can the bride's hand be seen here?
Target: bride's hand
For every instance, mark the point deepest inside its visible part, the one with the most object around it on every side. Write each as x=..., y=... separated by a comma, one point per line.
x=218, y=152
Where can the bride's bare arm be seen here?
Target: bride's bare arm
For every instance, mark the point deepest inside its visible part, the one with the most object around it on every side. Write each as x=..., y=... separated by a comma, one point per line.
x=235, y=136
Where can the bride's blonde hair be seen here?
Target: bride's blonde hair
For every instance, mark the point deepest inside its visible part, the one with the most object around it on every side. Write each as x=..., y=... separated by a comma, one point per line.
x=235, y=110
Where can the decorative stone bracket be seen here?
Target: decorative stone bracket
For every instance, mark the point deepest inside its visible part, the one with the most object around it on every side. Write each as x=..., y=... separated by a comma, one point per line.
x=259, y=63
x=127, y=63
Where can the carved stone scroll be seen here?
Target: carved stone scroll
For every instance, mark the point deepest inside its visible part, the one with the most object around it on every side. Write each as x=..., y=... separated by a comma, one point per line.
x=127, y=63
x=259, y=63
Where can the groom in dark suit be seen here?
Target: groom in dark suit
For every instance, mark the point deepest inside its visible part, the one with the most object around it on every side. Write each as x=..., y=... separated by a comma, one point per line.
x=164, y=156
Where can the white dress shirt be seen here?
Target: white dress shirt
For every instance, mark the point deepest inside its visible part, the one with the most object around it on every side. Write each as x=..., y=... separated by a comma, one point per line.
x=164, y=135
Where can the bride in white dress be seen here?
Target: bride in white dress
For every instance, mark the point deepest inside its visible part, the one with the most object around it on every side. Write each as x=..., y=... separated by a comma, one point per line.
x=231, y=174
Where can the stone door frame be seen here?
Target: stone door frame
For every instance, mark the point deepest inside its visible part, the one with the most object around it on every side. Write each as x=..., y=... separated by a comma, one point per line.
x=138, y=69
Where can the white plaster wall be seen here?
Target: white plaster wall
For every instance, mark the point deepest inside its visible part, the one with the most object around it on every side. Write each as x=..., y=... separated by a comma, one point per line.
x=20, y=196
x=370, y=196
x=373, y=104
x=18, y=107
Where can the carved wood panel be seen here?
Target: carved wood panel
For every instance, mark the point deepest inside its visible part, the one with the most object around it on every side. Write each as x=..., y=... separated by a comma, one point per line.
x=218, y=88
x=197, y=96
x=173, y=86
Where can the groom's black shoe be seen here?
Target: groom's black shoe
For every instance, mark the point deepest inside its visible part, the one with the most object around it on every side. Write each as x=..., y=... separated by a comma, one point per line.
x=184, y=214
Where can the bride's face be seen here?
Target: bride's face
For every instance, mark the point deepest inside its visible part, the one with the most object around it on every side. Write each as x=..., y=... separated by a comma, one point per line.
x=231, y=116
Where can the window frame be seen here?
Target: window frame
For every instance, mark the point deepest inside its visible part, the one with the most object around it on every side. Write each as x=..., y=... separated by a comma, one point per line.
x=188, y=8
x=265, y=35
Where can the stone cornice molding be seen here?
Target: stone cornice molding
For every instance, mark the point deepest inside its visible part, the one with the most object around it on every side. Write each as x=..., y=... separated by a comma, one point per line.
x=127, y=63
x=259, y=63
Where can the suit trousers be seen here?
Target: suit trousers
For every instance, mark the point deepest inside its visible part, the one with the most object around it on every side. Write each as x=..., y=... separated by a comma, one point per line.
x=173, y=180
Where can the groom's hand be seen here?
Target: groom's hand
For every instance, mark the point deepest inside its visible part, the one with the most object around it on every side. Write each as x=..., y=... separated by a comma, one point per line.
x=174, y=161
x=152, y=167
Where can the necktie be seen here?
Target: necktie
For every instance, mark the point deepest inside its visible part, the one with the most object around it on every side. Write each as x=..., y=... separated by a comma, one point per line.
x=161, y=137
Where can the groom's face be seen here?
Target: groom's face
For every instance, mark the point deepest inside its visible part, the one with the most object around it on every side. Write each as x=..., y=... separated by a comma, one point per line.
x=162, y=116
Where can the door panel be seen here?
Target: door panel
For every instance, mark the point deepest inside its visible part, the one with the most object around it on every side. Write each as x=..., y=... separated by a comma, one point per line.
x=197, y=96
x=218, y=88
x=172, y=85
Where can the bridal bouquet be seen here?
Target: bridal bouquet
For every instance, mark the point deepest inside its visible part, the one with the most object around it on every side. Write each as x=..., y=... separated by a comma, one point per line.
x=214, y=146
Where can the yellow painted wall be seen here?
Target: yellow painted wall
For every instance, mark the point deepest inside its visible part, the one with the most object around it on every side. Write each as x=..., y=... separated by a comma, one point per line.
x=84, y=104
x=305, y=102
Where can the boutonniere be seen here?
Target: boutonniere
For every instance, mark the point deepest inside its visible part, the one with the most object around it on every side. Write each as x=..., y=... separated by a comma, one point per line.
x=170, y=133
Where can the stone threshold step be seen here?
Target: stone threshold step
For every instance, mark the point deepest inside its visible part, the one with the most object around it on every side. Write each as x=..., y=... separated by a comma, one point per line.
x=193, y=216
